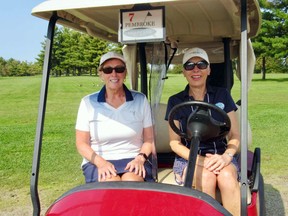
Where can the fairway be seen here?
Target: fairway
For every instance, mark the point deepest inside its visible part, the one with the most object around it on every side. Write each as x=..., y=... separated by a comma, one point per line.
x=60, y=162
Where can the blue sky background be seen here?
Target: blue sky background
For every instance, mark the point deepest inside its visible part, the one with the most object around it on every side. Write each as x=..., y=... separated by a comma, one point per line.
x=21, y=33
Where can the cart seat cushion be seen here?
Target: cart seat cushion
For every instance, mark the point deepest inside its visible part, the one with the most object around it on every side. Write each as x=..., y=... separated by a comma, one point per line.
x=162, y=133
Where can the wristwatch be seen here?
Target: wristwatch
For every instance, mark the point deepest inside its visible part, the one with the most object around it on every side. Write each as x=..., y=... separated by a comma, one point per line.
x=230, y=155
x=144, y=155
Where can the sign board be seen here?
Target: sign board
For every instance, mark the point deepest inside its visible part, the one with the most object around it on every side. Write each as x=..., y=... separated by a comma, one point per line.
x=138, y=26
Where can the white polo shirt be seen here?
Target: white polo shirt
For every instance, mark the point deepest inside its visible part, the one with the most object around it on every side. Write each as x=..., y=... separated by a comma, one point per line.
x=115, y=133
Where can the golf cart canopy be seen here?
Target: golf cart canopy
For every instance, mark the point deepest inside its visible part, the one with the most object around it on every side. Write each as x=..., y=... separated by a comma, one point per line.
x=205, y=24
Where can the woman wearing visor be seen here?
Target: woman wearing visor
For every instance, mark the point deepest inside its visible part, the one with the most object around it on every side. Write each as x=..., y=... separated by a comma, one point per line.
x=216, y=165
x=114, y=132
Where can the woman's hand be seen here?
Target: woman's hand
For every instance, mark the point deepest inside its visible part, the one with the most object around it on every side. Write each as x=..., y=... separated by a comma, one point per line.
x=105, y=170
x=215, y=162
x=137, y=166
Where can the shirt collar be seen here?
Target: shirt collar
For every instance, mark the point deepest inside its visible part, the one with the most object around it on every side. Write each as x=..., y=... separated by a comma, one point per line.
x=101, y=96
x=186, y=91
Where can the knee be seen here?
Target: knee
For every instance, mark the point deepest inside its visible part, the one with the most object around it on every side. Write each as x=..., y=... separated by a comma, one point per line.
x=227, y=179
x=208, y=176
x=206, y=182
x=208, y=179
x=227, y=174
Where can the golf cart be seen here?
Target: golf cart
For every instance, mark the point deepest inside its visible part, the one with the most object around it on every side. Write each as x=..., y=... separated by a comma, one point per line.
x=155, y=33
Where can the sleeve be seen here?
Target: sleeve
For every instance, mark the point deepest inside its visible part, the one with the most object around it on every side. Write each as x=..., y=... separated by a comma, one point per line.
x=172, y=102
x=147, y=120
x=230, y=104
x=82, y=122
x=169, y=107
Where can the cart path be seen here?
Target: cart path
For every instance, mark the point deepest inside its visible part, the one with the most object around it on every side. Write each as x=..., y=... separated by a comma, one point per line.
x=276, y=195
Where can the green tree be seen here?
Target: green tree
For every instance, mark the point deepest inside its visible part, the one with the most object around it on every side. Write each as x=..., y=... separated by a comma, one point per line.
x=272, y=42
x=176, y=69
x=3, y=71
x=75, y=53
x=14, y=67
x=93, y=49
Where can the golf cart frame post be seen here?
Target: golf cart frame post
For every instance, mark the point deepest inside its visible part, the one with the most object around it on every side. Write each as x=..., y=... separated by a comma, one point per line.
x=244, y=108
x=41, y=117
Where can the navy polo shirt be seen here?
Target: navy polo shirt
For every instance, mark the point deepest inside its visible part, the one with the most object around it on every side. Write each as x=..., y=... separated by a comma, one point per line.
x=215, y=95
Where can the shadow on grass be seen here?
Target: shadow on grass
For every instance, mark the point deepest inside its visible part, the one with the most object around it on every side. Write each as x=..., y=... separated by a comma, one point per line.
x=270, y=79
x=273, y=201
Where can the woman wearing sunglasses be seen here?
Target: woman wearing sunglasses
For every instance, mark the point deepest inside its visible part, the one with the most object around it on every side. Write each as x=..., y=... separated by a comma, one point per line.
x=216, y=165
x=114, y=132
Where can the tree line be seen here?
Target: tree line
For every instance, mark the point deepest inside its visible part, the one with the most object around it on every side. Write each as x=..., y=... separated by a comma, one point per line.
x=13, y=67
x=76, y=54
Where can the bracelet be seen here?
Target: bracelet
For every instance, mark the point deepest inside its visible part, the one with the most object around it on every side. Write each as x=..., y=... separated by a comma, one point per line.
x=143, y=155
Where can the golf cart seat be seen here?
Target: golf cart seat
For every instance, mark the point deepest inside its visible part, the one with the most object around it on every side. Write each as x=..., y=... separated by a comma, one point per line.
x=162, y=135
x=164, y=152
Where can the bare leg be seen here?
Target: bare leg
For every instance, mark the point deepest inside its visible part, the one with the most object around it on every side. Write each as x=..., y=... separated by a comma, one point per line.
x=230, y=190
x=130, y=176
x=113, y=178
x=205, y=181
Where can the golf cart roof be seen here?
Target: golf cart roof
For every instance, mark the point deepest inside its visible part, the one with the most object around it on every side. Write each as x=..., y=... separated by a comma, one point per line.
x=188, y=23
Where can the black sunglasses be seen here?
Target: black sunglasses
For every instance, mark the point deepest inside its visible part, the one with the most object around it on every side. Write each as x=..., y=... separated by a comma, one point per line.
x=191, y=65
x=109, y=70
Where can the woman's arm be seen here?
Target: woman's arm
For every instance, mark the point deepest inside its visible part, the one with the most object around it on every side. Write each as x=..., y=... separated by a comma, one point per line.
x=233, y=135
x=175, y=143
x=148, y=141
x=138, y=163
x=83, y=145
x=217, y=162
x=85, y=150
x=105, y=168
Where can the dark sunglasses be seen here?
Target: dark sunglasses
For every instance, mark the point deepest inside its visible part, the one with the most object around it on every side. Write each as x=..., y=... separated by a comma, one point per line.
x=191, y=65
x=109, y=70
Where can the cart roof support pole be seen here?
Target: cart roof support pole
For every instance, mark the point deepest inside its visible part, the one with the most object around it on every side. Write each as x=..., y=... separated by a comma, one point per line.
x=228, y=64
x=244, y=107
x=143, y=68
x=41, y=117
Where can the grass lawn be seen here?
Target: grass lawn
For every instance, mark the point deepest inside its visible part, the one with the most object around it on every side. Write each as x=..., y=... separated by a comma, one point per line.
x=60, y=162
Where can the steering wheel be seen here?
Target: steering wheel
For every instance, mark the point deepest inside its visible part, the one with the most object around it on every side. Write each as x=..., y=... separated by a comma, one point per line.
x=200, y=122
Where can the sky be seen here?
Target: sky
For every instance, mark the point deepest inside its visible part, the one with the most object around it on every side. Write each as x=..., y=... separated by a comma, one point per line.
x=21, y=33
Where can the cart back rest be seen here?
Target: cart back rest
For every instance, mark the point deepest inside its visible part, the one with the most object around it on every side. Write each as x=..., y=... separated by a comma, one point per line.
x=238, y=114
x=162, y=133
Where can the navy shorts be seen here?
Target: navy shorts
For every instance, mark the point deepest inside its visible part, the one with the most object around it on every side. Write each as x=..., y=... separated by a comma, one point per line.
x=90, y=171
